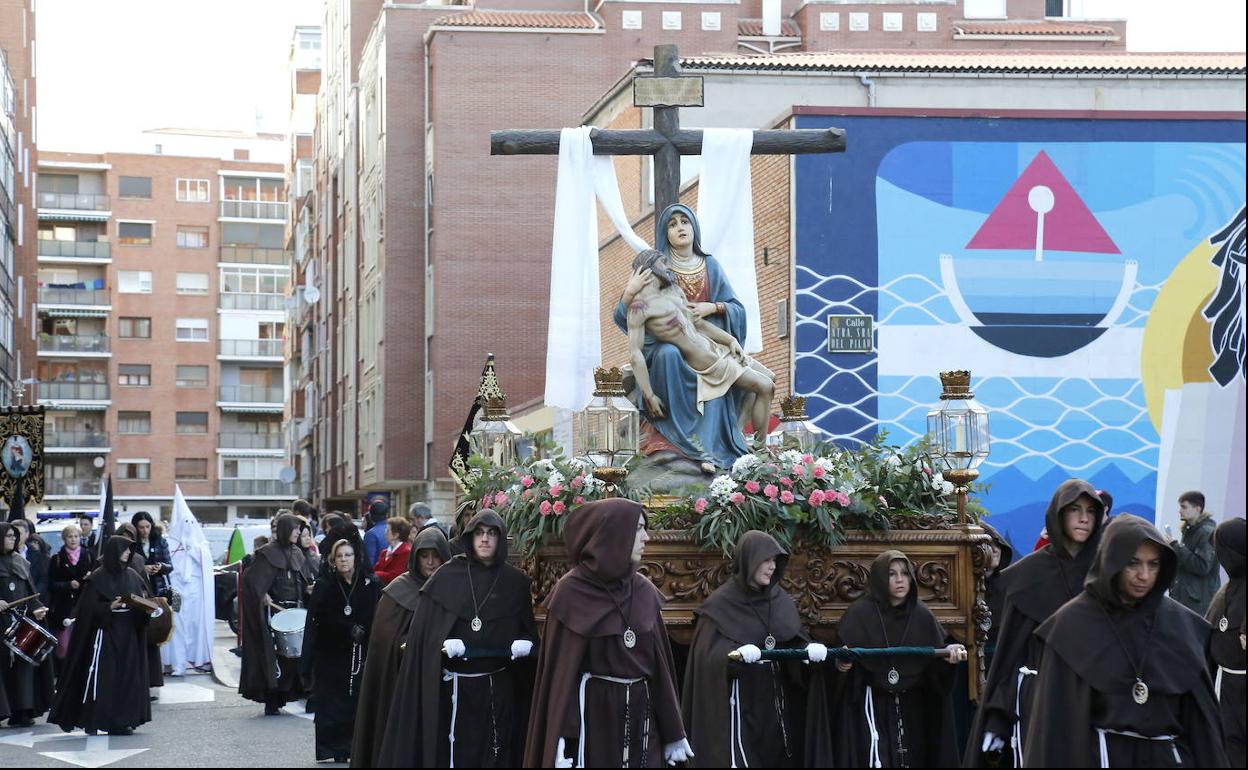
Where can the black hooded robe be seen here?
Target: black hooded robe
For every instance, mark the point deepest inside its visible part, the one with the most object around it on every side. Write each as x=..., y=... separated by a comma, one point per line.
x=104, y=684
x=1034, y=588
x=904, y=724
x=1226, y=656
x=385, y=650
x=25, y=691
x=764, y=719
x=1096, y=650
x=281, y=571
x=636, y=713
x=483, y=703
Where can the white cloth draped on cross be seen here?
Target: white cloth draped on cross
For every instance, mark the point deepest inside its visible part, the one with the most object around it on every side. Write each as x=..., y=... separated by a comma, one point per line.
x=725, y=211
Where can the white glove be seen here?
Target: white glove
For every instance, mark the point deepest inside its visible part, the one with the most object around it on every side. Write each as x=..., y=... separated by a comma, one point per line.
x=521, y=648
x=817, y=653
x=454, y=648
x=681, y=751
x=750, y=653
x=561, y=759
x=992, y=743
x=156, y=613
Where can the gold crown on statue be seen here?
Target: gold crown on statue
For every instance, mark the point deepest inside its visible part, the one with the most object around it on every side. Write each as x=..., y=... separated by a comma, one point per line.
x=490, y=395
x=956, y=384
x=609, y=382
x=792, y=408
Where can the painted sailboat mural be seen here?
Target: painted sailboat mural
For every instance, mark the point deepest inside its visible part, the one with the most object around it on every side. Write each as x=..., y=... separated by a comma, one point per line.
x=1042, y=237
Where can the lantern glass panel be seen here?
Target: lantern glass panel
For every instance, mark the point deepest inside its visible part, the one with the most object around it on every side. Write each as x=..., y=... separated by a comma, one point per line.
x=958, y=431
x=802, y=435
x=607, y=431
x=496, y=441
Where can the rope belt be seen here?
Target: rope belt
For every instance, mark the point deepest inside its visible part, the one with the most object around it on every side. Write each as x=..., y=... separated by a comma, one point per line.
x=873, y=753
x=1217, y=682
x=1102, y=731
x=735, y=726
x=1016, y=739
x=453, y=677
x=628, y=687
x=93, y=672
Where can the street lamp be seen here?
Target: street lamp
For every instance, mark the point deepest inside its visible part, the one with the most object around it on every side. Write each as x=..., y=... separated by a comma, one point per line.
x=795, y=430
x=606, y=431
x=493, y=435
x=958, y=432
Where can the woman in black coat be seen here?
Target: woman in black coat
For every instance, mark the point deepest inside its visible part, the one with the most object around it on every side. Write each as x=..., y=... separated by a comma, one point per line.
x=66, y=574
x=155, y=550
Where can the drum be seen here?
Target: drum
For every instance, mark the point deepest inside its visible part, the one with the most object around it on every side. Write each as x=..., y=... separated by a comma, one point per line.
x=287, y=627
x=29, y=641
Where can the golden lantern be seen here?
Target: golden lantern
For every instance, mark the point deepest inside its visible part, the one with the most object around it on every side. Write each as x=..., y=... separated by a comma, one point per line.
x=493, y=435
x=795, y=430
x=958, y=431
x=607, y=431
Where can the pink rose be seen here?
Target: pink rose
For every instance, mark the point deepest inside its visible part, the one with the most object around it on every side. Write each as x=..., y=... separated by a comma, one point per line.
x=500, y=499
x=579, y=500
x=545, y=507
x=819, y=472
x=927, y=471
x=816, y=497
x=771, y=491
x=736, y=498
x=752, y=487
x=808, y=459
x=883, y=502
x=527, y=481
x=556, y=490
x=578, y=482
x=559, y=508
x=788, y=482
x=700, y=505
x=842, y=499
x=786, y=497
x=799, y=470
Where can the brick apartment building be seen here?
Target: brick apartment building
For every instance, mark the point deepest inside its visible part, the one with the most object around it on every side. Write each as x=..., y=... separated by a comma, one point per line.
x=160, y=308
x=428, y=254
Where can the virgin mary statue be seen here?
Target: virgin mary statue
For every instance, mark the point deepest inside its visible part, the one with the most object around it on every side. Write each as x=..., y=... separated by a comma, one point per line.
x=715, y=434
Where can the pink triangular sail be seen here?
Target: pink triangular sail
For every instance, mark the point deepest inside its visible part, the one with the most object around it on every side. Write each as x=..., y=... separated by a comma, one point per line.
x=1070, y=226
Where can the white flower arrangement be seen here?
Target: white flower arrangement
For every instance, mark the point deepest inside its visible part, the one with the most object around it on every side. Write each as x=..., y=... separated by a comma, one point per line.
x=722, y=486
x=744, y=464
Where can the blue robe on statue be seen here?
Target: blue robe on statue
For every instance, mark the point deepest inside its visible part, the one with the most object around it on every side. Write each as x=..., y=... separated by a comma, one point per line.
x=715, y=429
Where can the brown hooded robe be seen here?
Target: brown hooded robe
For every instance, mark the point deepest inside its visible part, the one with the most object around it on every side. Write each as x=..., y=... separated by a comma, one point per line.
x=1097, y=649
x=914, y=716
x=1033, y=588
x=491, y=710
x=775, y=710
x=25, y=690
x=1226, y=656
x=385, y=650
x=588, y=612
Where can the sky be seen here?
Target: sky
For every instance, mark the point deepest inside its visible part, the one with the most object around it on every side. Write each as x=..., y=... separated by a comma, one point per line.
x=109, y=69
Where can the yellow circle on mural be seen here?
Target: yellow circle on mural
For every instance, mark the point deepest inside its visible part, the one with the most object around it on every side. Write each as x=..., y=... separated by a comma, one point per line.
x=1176, y=347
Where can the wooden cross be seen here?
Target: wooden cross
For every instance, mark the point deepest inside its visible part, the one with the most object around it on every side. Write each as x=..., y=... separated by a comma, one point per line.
x=666, y=91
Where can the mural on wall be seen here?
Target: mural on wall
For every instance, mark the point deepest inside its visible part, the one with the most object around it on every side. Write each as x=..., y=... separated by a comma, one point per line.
x=1087, y=273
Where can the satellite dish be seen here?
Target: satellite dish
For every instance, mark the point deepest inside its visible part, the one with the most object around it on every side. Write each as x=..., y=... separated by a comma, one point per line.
x=312, y=295
x=287, y=475
x=291, y=303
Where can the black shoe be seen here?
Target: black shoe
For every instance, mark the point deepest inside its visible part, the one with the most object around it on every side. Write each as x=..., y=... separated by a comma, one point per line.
x=21, y=722
x=271, y=711
x=93, y=732
x=122, y=731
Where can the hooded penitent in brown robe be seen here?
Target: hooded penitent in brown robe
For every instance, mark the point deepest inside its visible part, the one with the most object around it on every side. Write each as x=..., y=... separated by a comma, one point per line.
x=138, y=563
x=902, y=720
x=482, y=702
x=753, y=715
x=1122, y=684
x=385, y=649
x=1226, y=655
x=631, y=709
x=1034, y=588
x=281, y=571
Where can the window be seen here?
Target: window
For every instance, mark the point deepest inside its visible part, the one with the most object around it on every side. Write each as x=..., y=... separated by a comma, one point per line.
x=190, y=237
x=253, y=234
x=983, y=9
x=135, y=186
x=190, y=469
x=134, y=470
x=134, y=328
x=134, y=375
x=134, y=233
x=192, y=422
x=192, y=376
x=193, y=190
x=192, y=330
x=254, y=280
x=193, y=283
x=134, y=422
x=134, y=281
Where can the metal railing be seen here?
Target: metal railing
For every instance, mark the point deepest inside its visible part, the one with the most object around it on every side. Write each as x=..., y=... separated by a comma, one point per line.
x=233, y=440
x=251, y=348
x=75, y=439
x=82, y=391
x=81, y=201
x=75, y=249
x=254, y=209
x=239, y=301
x=252, y=394
x=73, y=343
x=254, y=255
x=82, y=487
x=49, y=296
x=257, y=487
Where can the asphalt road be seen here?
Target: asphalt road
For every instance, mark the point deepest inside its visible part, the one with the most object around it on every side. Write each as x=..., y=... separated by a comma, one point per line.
x=199, y=721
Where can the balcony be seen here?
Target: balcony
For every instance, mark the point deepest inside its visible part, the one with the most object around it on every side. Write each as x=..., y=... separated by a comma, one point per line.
x=254, y=209
x=74, y=391
x=48, y=296
x=255, y=488
x=76, y=439
x=75, y=201
x=252, y=394
x=73, y=344
x=95, y=251
x=254, y=255
x=250, y=441
x=237, y=301
x=72, y=487
x=250, y=349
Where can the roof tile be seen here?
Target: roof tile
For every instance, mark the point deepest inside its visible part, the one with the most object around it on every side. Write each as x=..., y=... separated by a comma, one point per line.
x=754, y=28
x=522, y=20
x=1033, y=27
